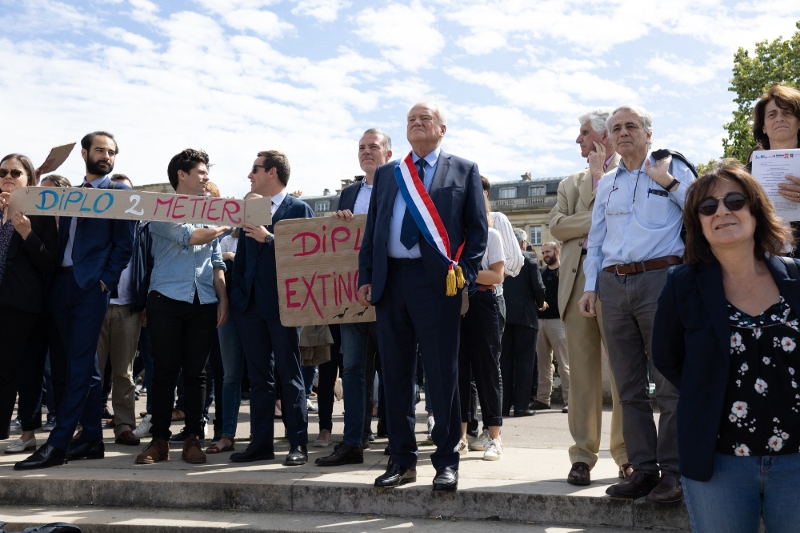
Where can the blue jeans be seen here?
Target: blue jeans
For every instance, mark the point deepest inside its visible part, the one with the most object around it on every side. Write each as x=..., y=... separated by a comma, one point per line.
x=743, y=489
x=233, y=363
x=308, y=379
x=354, y=383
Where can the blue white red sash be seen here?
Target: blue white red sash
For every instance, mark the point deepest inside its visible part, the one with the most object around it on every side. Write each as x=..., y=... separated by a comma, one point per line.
x=427, y=218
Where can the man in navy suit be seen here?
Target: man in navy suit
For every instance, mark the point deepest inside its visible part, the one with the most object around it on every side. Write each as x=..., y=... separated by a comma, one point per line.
x=92, y=255
x=268, y=345
x=405, y=278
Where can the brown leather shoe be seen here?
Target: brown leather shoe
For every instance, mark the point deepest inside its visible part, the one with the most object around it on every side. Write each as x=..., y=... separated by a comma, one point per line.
x=669, y=491
x=625, y=471
x=192, y=451
x=127, y=438
x=579, y=475
x=157, y=450
x=639, y=484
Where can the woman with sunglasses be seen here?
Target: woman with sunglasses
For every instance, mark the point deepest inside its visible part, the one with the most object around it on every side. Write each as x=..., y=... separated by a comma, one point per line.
x=726, y=334
x=28, y=249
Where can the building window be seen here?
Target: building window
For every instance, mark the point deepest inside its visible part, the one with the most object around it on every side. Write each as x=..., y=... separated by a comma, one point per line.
x=536, y=235
x=508, y=192
x=538, y=190
x=322, y=206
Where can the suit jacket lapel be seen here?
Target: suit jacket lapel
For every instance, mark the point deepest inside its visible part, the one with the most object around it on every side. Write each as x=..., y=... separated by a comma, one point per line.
x=712, y=292
x=281, y=212
x=585, y=189
x=442, y=166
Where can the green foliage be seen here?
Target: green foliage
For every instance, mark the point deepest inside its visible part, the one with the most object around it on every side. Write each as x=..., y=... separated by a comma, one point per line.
x=702, y=168
x=773, y=62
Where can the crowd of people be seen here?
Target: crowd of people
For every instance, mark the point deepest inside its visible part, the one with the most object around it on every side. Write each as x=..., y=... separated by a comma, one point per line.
x=692, y=274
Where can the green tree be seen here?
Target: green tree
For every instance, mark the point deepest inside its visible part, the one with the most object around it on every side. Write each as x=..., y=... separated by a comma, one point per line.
x=773, y=62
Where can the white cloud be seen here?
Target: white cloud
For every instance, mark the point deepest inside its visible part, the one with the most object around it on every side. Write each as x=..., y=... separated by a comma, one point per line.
x=322, y=10
x=405, y=34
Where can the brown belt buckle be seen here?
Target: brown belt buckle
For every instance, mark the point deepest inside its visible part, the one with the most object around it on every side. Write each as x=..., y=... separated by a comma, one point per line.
x=617, y=272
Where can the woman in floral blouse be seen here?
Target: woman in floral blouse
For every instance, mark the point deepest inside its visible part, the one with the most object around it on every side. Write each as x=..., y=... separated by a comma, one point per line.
x=726, y=335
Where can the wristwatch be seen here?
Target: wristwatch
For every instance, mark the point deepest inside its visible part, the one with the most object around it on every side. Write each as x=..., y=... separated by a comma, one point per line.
x=269, y=238
x=672, y=183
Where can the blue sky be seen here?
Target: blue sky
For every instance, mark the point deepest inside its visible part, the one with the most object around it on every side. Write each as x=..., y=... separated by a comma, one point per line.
x=309, y=76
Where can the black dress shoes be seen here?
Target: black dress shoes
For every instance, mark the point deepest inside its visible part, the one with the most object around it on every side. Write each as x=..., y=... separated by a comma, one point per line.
x=524, y=412
x=254, y=452
x=343, y=454
x=639, y=484
x=298, y=455
x=395, y=476
x=668, y=491
x=446, y=480
x=45, y=457
x=80, y=449
x=579, y=474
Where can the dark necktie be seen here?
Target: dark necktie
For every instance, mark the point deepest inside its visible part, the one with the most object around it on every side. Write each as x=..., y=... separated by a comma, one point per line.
x=409, y=232
x=78, y=220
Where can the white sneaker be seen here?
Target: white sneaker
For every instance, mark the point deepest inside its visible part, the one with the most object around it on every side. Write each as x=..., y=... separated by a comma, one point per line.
x=143, y=429
x=480, y=443
x=311, y=407
x=431, y=423
x=494, y=450
x=462, y=447
x=20, y=446
x=323, y=439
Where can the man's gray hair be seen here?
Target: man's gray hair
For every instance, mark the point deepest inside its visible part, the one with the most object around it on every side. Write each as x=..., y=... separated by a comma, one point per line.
x=639, y=111
x=386, y=141
x=596, y=118
x=520, y=235
x=437, y=109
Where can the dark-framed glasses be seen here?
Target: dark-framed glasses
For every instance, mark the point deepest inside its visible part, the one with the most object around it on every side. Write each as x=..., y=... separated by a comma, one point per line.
x=734, y=201
x=256, y=167
x=15, y=173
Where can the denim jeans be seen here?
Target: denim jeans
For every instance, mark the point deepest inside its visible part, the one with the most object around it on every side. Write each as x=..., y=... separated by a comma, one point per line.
x=354, y=383
x=308, y=379
x=233, y=363
x=743, y=489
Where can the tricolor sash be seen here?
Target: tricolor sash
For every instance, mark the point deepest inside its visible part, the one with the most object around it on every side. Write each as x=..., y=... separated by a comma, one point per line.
x=428, y=221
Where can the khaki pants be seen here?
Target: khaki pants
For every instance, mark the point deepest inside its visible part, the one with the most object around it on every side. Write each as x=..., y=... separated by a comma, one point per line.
x=552, y=340
x=584, y=337
x=118, y=341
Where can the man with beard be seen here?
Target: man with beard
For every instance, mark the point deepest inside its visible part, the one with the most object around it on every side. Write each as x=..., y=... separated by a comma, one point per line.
x=551, y=333
x=92, y=255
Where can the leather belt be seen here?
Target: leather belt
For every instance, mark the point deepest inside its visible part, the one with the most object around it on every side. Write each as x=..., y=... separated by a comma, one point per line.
x=65, y=270
x=644, y=266
x=483, y=288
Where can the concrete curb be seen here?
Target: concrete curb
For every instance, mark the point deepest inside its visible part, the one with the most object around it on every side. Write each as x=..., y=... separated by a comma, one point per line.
x=304, y=496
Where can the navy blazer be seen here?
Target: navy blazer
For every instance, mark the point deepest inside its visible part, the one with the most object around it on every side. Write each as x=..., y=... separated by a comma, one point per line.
x=691, y=348
x=102, y=248
x=524, y=294
x=254, y=271
x=348, y=196
x=458, y=196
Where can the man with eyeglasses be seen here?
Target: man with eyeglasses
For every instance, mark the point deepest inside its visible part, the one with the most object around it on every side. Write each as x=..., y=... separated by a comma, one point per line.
x=635, y=237
x=269, y=347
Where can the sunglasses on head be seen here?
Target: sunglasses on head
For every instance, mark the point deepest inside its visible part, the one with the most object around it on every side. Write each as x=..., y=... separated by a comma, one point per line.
x=15, y=173
x=734, y=201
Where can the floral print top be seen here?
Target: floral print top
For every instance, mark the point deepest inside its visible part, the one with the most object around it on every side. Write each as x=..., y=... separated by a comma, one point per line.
x=762, y=415
x=6, y=232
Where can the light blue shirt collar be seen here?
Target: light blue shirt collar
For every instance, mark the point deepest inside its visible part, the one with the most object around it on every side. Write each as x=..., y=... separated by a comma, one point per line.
x=431, y=158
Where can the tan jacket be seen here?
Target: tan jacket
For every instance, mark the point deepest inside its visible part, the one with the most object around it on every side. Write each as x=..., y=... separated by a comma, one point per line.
x=570, y=221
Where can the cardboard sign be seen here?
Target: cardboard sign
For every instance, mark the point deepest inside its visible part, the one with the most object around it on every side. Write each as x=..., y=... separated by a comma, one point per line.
x=57, y=156
x=89, y=202
x=317, y=264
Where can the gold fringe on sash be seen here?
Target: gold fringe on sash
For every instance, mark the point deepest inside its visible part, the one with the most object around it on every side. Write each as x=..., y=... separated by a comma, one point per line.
x=451, y=283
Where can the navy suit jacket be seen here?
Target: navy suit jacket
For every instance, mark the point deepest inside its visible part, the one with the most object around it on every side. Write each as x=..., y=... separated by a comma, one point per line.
x=101, y=250
x=458, y=196
x=254, y=273
x=347, y=198
x=691, y=348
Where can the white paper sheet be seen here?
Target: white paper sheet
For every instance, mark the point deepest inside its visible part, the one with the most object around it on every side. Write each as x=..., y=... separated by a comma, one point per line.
x=770, y=168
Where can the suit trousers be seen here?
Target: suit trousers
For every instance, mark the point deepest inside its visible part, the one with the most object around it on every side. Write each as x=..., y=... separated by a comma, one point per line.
x=270, y=347
x=629, y=307
x=327, y=381
x=552, y=340
x=15, y=328
x=78, y=316
x=584, y=339
x=181, y=334
x=117, y=344
x=30, y=372
x=516, y=366
x=409, y=312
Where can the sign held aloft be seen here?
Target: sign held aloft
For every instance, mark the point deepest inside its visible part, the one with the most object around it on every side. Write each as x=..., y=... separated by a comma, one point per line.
x=88, y=202
x=317, y=267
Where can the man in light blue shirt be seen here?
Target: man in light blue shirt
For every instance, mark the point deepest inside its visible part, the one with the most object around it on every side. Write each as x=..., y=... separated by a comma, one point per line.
x=186, y=302
x=634, y=238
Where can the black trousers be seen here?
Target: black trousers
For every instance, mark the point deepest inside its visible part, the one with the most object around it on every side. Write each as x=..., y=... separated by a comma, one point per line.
x=369, y=369
x=181, y=336
x=30, y=375
x=15, y=328
x=478, y=357
x=517, y=362
x=327, y=380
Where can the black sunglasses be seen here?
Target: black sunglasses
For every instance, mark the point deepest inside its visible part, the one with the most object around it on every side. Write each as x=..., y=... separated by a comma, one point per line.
x=734, y=201
x=15, y=173
x=256, y=167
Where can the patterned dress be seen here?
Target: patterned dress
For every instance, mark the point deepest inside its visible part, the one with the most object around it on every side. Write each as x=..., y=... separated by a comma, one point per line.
x=6, y=232
x=763, y=397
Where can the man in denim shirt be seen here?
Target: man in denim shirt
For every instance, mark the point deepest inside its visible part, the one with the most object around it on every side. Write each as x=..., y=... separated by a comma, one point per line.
x=183, y=312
